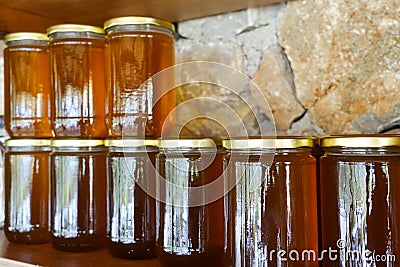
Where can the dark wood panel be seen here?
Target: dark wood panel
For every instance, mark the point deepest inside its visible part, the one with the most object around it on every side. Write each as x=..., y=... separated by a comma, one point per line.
x=95, y=12
x=45, y=255
x=12, y=20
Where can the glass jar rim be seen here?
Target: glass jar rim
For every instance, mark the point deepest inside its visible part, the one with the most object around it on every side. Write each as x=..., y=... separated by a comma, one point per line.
x=20, y=36
x=361, y=141
x=74, y=28
x=76, y=142
x=26, y=142
x=129, y=142
x=278, y=142
x=137, y=20
x=206, y=142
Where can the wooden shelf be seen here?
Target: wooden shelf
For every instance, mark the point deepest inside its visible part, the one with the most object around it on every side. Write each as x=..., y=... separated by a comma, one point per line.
x=28, y=15
x=45, y=255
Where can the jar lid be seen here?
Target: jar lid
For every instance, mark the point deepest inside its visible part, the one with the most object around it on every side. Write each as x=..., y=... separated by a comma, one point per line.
x=76, y=142
x=26, y=142
x=134, y=20
x=18, y=36
x=268, y=142
x=361, y=141
x=127, y=142
x=74, y=28
x=188, y=143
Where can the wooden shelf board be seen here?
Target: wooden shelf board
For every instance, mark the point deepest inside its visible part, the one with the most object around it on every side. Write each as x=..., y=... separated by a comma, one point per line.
x=20, y=13
x=46, y=255
x=12, y=20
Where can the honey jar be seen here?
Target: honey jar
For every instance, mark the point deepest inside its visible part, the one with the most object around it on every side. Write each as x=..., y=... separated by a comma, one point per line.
x=131, y=210
x=78, y=81
x=190, y=229
x=27, y=85
x=78, y=194
x=359, y=199
x=271, y=210
x=136, y=49
x=27, y=195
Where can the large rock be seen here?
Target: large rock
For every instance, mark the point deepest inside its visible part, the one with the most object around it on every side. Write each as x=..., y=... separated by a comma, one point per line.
x=238, y=40
x=254, y=30
x=207, y=109
x=345, y=59
x=275, y=79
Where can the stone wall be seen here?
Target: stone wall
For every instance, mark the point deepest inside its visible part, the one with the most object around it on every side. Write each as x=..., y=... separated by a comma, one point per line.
x=326, y=67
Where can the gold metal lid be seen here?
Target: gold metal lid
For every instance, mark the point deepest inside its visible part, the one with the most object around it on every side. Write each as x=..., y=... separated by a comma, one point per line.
x=74, y=28
x=127, y=142
x=268, y=142
x=134, y=20
x=18, y=36
x=26, y=142
x=361, y=141
x=76, y=142
x=188, y=143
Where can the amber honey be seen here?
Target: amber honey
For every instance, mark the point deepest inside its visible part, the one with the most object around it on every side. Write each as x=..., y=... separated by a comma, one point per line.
x=27, y=191
x=78, y=195
x=359, y=203
x=27, y=85
x=131, y=210
x=272, y=206
x=136, y=49
x=188, y=235
x=78, y=81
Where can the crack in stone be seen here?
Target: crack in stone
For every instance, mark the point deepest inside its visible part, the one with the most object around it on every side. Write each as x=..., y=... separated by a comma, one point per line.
x=390, y=125
x=250, y=28
x=298, y=118
x=293, y=85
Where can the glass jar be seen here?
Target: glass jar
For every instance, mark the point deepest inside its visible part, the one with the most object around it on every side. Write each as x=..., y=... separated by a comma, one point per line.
x=131, y=210
x=78, y=194
x=27, y=185
x=190, y=227
x=136, y=49
x=360, y=209
x=78, y=80
x=271, y=210
x=27, y=85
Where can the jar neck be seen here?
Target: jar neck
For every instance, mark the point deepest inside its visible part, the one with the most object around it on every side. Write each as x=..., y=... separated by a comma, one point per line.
x=139, y=28
x=27, y=43
x=79, y=149
x=186, y=150
x=28, y=149
x=259, y=151
x=139, y=149
x=73, y=35
x=380, y=151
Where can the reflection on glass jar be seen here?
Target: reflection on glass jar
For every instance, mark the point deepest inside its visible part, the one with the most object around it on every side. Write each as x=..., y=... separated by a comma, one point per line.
x=136, y=49
x=27, y=85
x=27, y=191
x=360, y=210
x=131, y=211
x=272, y=205
x=78, y=80
x=186, y=234
x=78, y=194
x=2, y=170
